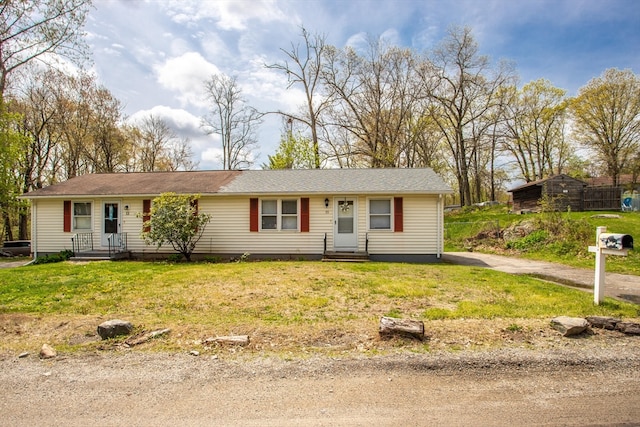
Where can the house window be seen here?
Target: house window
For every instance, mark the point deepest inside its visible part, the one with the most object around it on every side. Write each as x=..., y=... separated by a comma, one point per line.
x=269, y=214
x=380, y=214
x=82, y=216
x=289, y=214
x=279, y=214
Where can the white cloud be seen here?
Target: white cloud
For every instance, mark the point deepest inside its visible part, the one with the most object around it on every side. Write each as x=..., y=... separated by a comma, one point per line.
x=228, y=14
x=186, y=75
x=178, y=119
x=155, y=55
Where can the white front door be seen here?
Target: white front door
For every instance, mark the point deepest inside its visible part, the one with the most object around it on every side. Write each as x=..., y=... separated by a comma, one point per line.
x=345, y=237
x=110, y=221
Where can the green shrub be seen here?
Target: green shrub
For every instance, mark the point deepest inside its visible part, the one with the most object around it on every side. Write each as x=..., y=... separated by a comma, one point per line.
x=533, y=240
x=59, y=257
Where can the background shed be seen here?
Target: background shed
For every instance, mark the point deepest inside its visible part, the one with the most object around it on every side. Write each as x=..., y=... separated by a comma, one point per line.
x=563, y=189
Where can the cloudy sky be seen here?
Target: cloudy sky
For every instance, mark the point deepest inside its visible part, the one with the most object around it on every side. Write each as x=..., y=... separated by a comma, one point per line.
x=154, y=55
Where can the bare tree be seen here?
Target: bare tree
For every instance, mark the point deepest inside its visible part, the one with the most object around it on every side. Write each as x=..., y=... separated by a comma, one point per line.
x=374, y=96
x=232, y=120
x=303, y=67
x=31, y=29
x=151, y=143
x=180, y=155
x=468, y=90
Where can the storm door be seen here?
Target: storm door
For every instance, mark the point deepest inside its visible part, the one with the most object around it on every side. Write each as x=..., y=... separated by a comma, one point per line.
x=345, y=237
x=110, y=221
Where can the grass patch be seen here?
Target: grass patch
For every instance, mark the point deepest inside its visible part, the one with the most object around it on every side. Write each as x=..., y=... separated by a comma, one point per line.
x=562, y=237
x=284, y=306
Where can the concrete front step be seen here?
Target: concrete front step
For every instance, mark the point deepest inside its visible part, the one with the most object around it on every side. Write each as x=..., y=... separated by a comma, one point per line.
x=346, y=256
x=98, y=256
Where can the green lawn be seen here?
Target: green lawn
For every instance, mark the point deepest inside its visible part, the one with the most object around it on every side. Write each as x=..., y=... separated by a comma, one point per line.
x=298, y=306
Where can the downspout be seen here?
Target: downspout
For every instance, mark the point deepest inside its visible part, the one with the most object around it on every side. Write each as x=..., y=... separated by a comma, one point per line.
x=34, y=234
x=440, y=224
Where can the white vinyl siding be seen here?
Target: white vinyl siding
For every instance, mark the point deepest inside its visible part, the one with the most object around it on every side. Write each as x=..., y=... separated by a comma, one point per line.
x=228, y=232
x=420, y=229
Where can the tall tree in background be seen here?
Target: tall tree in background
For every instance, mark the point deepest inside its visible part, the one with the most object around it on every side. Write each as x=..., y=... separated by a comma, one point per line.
x=12, y=143
x=534, y=131
x=373, y=94
x=106, y=149
x=156, y=147
x=303, y=68
x=232, y=120
x=606, y=116
x=40, y=127
x=467, y=91
x=33, y=29
x=294, y=152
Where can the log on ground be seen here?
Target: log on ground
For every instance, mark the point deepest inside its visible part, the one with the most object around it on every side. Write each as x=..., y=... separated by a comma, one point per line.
x=229, y=340
x=390, y=326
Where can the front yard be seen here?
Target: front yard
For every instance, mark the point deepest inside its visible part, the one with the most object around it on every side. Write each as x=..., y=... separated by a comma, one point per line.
x=291, y=309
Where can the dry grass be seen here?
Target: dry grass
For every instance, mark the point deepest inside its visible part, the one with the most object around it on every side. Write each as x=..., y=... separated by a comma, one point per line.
x=291, y=309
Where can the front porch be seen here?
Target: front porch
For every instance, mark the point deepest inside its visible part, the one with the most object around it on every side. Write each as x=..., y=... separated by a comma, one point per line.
x=83, y=248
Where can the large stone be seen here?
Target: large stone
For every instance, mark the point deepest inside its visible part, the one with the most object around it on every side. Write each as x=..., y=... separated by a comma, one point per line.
x=47, y=352
x=569, y=326
x=603, y=322
x=628, y=328
x=113, y=328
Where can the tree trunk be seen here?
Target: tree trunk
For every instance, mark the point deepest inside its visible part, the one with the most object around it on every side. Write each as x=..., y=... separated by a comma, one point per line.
x=8, y=232
x=23, y=227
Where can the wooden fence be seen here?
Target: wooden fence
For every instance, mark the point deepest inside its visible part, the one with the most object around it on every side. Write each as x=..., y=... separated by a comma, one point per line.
x=602, y=198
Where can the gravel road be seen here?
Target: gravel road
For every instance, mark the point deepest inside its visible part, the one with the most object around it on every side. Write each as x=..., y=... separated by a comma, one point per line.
x=578, y=385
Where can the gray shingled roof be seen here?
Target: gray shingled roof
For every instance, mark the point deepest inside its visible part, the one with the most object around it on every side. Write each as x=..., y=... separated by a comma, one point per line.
x=315, y=181
x=331, y=181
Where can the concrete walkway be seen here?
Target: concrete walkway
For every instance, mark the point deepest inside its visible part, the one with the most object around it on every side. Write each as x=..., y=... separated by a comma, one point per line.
x=621, y=286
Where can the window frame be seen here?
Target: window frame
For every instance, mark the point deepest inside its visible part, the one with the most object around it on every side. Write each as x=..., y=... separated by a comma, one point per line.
x=279, y=214
x=389, y=214
x=75, y=216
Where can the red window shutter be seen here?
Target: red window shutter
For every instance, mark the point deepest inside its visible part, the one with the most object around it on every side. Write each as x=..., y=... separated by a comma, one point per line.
x=398, y=225
x=304, y=214
x=67, y=216
x=146, y=214
x=253, y=214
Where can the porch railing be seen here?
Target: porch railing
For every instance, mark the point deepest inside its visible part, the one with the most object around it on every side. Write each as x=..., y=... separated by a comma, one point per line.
x=117, y=243
x=82, y=242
